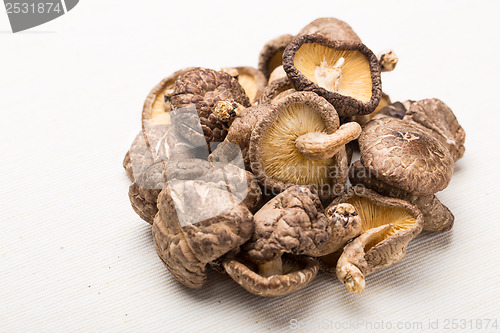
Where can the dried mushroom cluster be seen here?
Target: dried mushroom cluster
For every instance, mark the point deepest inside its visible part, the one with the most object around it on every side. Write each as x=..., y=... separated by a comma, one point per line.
x=249, y=171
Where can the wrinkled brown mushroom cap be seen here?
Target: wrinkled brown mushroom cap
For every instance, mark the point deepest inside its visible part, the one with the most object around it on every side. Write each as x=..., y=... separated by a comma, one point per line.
x=274, y=89
x=298, y=271
x=401, y=155
x=292, y=222
x=330, y=28
x=402, y=220
x=309, y=57
x=435, y=116
x=272, y=54
x=186, y=245
x=205, y=88
x=274, y=158
x=251, y=79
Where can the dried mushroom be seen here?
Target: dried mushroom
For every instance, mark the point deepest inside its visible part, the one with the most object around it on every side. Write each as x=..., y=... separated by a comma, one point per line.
x=435, y=116
x=330, y=28
x=252, y=80
x=276, y=88
x=218, y=98
x=292, y=223
x=274, y=157
x=399, y=159
x=345, y=73
x=388, y=225
x=199, y=219
x=271, y=55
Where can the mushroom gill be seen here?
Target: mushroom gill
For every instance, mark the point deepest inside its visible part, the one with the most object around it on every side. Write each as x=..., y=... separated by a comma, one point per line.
x=249, y=84
x=158, y=114
x=373, y=216
x=280, y=157
x=344, y=71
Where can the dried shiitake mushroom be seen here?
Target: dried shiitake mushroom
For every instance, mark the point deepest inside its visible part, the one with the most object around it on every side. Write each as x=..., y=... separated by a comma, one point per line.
x=271, y=55
x=399, y=159
x=199, y=219
x=388, y=225
x=346, y=73
x=330, y=28
x=277, y=161
x=435, y=116
x=218, y=98
x=138, y=157
x=293, y=223
x=251, y=79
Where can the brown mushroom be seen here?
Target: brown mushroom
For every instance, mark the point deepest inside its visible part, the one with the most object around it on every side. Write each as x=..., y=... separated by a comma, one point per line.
x=251, y=79
x=388, y=225
x=293, y=223
x=217, y=96
x=274, y=157
x=346, y=73
x=399, y=159
x=330, y=28
x=271, y=55
x=200, y=218
x=435, y=116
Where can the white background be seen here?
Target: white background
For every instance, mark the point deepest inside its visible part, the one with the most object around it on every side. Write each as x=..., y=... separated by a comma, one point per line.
x=73, y=254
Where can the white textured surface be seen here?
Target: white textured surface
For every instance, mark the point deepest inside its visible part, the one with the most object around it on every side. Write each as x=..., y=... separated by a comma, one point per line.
x=74, y=256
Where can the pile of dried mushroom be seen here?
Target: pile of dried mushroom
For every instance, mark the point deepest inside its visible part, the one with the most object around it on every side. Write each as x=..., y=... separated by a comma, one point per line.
x=233, y=168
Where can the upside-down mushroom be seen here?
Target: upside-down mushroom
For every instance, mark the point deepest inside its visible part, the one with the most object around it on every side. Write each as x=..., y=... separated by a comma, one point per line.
x=388, y=225
x=399, y=159
x=346, y=73
x=271, y=55
x=292, y=223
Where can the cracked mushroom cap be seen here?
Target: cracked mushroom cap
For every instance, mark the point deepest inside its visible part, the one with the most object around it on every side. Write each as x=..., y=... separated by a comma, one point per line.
x=346, y=73
x=330, y=28
x=293, y=223
x=218, y=98
x=388, y=225
x=274, y=156
x=252, y=80
x=197, y=222
x=402, y=155
x=271, y=55
x=435, y=116
x=437, y=217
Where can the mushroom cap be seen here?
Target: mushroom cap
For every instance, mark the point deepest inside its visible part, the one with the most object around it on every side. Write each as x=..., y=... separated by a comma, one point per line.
x=251, y=79
x=437, y=217
x=376, y=210
x=204, y=88
x=274, y=158
x=292, y=222
x=330, y=28
x=197, y=222
x=402, y=155
x=434, y=115
x=143, y=192
x=304, y=270
x=272, y=53
x=360, y=88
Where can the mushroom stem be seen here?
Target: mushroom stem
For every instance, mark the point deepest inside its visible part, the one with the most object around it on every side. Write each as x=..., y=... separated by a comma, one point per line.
x=329, y=77
x=226, y=111
x=321, y=146
x=352, y=266
x=272, y=267
x=388, y=61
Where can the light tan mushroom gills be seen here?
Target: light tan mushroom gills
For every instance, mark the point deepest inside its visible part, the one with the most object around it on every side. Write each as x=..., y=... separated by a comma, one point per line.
x=374, y=216
x=320, y=146
x=344, y=71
